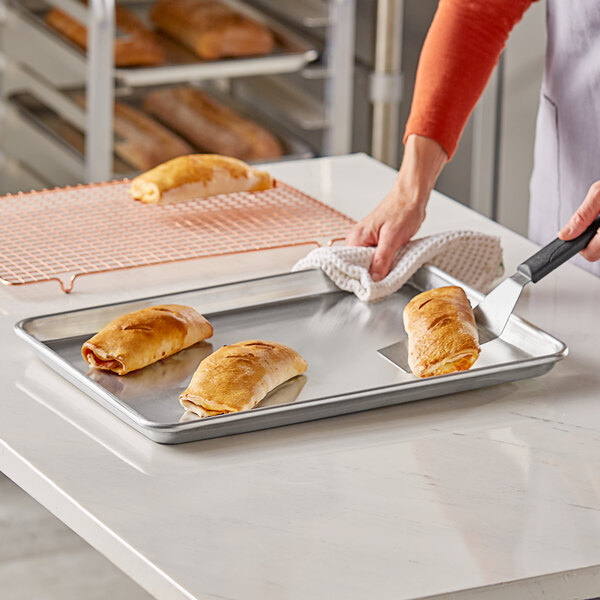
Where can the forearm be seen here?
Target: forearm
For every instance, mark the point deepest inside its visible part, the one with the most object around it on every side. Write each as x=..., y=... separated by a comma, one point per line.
x=462, y=47
x=399, y=215
x=423, y=161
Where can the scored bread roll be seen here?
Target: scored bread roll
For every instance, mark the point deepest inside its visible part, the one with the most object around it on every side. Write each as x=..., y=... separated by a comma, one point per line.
x=442, y=335
x=143, y=337
x=142, y=141
x=211, y=126
x=211, y=29
x=197, y=176
x=138, y=48
x=239, y=376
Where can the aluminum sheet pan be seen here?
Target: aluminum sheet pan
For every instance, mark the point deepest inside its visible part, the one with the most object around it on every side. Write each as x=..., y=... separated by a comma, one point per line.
x=291, y=53
x=335, y=332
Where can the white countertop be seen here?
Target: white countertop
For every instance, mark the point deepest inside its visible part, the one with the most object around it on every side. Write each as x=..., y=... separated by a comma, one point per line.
x=493, y=493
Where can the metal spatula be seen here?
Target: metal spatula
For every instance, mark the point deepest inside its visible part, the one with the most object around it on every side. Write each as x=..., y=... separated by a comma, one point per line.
x=493, y=312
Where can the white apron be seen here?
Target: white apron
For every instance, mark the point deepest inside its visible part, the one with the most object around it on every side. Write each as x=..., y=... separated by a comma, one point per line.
x=567, y=146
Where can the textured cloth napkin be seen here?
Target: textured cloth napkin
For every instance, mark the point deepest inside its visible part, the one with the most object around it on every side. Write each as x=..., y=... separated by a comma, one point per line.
x=473, y=258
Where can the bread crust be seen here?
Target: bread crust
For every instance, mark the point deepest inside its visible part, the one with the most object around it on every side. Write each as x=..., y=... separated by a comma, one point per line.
x=145, y=143
x=442, y=335
x=211, y=126
x=197, y=176
x=146, y=336
x=239, y=376
x=142, y=142
x=211, y=29
x=138, y=48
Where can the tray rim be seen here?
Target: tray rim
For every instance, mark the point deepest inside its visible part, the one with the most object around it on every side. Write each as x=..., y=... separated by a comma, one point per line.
x=161, y=432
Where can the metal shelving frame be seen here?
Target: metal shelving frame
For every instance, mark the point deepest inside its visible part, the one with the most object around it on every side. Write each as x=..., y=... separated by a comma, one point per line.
x=101, y=78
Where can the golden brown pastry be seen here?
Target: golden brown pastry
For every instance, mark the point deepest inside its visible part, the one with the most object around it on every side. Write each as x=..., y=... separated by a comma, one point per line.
x=442, y=335
x=211, y=126
x=164, y=376
x=139, y=47
x=211, y=29
x=197, y=176
x=142, y=142
x=239, y=376
x=141, y=338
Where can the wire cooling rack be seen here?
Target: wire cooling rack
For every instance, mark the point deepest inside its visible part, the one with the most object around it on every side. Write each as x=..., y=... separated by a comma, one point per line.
x=63, y=233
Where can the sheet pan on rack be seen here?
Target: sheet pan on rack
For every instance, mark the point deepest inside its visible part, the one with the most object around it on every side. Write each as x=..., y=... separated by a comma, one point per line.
x=69, y=138
x=336, y=333
x=291, y=53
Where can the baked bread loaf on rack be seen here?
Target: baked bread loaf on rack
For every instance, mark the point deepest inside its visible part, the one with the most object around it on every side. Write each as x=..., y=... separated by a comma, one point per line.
x=197, y=176
x=211, y=29
x=211, y=126
x=137, y=48
x=143, y=337
x=442, y=335
x=142, y=141
x=239, y=376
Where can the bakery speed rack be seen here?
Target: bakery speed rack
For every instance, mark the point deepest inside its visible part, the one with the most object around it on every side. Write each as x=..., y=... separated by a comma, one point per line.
x=39, y=61
x=39, y=132
x=61, y=234
x=291, y=52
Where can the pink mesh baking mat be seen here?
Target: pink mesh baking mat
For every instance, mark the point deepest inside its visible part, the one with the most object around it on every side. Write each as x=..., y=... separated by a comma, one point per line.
x=63, y=233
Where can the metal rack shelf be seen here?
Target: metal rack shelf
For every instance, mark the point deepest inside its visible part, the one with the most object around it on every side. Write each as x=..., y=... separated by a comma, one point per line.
x=285, y=100
x=291, y=54
x=308, y=13
x=34, y=119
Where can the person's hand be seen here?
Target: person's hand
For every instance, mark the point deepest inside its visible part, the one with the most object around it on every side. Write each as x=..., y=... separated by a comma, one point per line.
x=579, y=222
x=400, y=214
x=389, y=227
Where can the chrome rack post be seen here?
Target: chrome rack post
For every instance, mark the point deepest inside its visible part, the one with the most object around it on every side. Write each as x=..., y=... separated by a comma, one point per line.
x=100, y=91
x=2, y=85
x=386, y=81
x=339, y=90
x=485, y=151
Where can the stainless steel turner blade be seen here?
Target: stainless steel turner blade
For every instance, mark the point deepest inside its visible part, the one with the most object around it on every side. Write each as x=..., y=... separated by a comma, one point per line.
x=493, y=312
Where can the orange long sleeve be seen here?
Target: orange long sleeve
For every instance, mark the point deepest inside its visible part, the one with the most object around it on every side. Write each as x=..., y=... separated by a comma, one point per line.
x=462, y=47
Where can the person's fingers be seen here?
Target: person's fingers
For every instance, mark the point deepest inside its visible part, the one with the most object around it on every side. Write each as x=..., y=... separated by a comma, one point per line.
x=388, y=244
x=584, y=215
x=362, y=234
x=592, y=250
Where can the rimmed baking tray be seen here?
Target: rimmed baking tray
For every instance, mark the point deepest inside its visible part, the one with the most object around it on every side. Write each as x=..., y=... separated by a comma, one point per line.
x=291, y=52
x=336, y=333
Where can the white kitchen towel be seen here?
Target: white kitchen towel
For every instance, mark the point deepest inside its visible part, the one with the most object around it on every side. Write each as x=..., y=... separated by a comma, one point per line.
x=473, y=258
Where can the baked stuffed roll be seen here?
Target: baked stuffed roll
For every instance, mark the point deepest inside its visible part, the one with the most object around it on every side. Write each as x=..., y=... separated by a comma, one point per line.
x=197, y=176
x=442, y=335
x=210, y=125
x=239, y=376
x=211, y=29
x=141, y=338
x=165, y=375
x=137, y=46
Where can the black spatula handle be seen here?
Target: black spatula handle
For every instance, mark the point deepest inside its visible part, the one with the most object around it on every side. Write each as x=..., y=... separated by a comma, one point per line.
x=556, y=253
